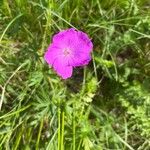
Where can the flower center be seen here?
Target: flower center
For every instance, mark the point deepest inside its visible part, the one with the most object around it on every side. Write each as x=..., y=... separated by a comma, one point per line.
x=66, y=51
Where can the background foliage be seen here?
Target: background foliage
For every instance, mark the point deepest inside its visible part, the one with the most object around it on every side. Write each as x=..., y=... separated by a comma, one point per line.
x=105, y=105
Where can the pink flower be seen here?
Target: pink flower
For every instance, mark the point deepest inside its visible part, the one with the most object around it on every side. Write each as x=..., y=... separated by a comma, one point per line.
x=69, y=49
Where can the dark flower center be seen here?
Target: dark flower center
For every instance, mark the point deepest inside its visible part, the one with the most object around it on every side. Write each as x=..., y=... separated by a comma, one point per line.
x=66, y=51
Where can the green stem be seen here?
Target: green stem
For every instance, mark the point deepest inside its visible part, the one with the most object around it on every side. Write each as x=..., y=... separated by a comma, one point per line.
x=59, y=128
x=84, y=80
x=39, y=134
x=79, y=144
x=62, y=131
x=74, y=129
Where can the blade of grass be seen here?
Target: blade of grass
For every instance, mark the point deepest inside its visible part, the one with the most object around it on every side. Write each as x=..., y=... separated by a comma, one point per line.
x=39, y=134
x=11, y=22
x=4, y=88
x=62, y=130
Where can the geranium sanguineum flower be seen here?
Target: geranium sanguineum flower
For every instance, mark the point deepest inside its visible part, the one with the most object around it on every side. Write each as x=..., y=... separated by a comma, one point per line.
x=69, y=48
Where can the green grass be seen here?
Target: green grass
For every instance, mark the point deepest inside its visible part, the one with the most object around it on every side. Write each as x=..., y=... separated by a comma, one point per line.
x=104, y=106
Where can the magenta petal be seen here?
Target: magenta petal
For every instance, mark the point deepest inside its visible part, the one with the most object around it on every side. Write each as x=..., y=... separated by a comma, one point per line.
x=62, y=70
x=81, y=62
x=49, y=57
x=65, y=37
x=85, y=41
x=51, y=54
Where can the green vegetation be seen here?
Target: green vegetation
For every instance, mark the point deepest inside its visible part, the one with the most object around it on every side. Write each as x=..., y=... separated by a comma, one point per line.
x=104, y=106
